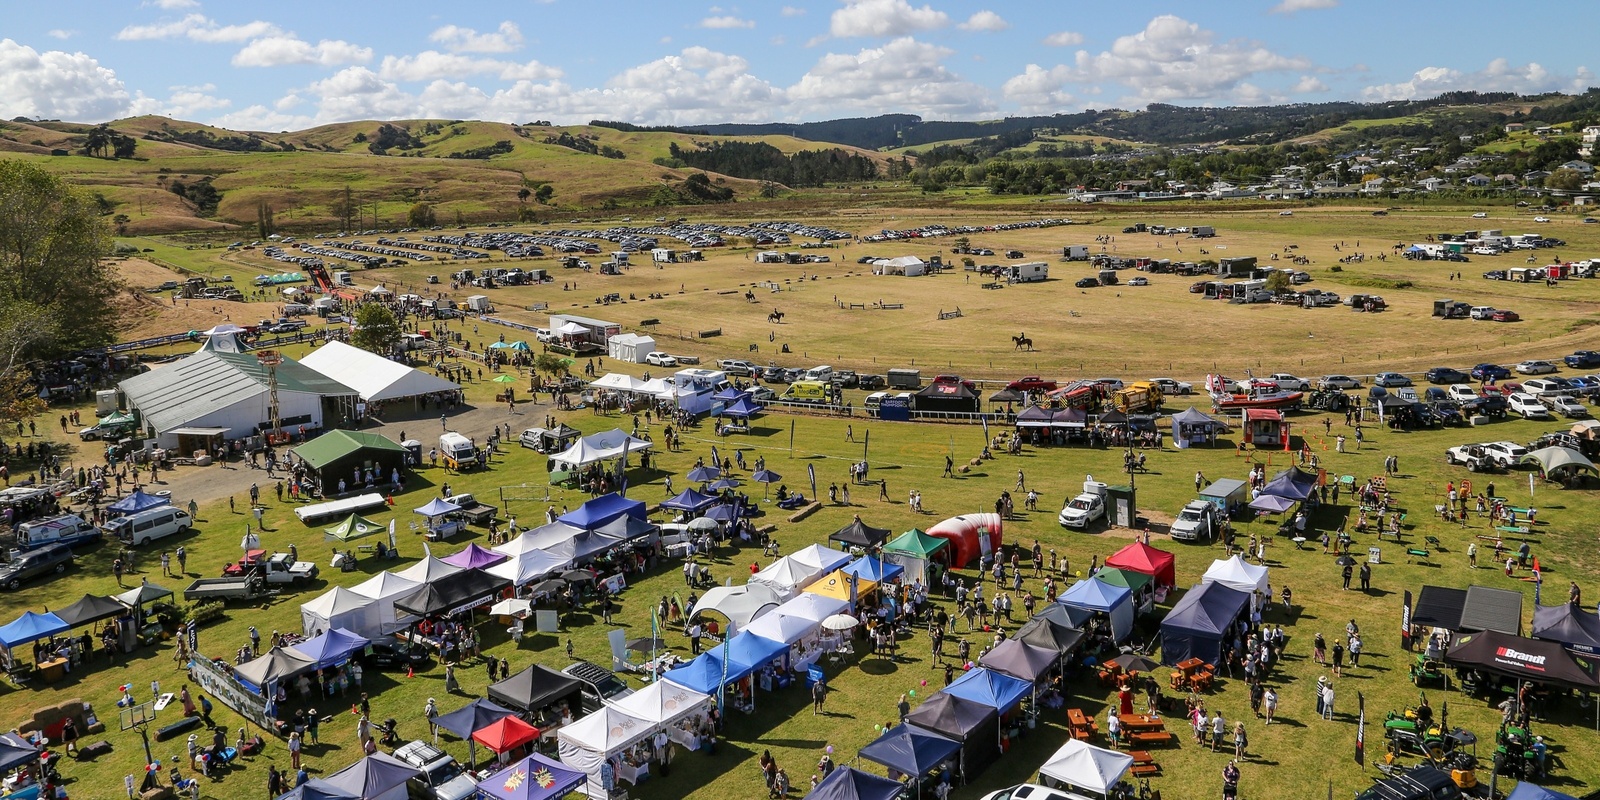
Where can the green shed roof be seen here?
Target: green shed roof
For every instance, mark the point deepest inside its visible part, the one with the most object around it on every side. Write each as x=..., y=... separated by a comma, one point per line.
x=336, y=444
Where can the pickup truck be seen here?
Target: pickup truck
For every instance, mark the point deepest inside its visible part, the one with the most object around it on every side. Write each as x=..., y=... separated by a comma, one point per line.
x=442, y=777
x=276, y=568
x=1082, y=510
x=243, y=587
x=1196, y=522
x=477, y=513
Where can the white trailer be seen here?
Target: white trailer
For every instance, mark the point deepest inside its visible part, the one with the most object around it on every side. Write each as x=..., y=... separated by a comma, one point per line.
x=663, y=255
x=479, y=303
x=1029, y=272
x=1075, y=252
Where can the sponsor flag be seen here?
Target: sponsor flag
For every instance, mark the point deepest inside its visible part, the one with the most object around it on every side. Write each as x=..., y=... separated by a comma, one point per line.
x=811, y=469
x=1405, y=614
x=716, y=459
x=791, y=441
x=1361, y=730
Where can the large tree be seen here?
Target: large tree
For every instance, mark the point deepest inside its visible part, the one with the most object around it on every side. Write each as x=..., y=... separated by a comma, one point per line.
x=56, y=287
x=376, y=329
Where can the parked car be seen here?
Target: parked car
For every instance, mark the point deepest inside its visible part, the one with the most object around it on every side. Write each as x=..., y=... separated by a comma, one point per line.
x=1196, y=522
x=1583, y=359
x=1170, y=386
x=387, y=653
x=1391, y=380
x=1535, y=367
x=1527, y=405
x=1505, y=315
x=442, y=777
x=1289, y=382
x=1492, y=405
x=1031, y=383
x=1463, y=393
x=1545, y=387
x=660, y=359
x=734, y=366
x=1446, y=375
x=1031, y=791
x=1139, y=281
x=35, y=564
x=871, y=381
x=1490, y=372
x=1087, y=283
x=1082, y=510
x=1481, y=215
x=1567, y=406
x=1506, y=454
x=1541, y=219
x=1338, y=382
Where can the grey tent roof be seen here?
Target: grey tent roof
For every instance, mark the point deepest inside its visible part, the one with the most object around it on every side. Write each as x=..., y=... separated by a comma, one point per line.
x=373, y=776
x=1554, y=458
x=1570, y=625
x=90, y=608
x=1020, y=659
x=210, y=381
x=1488, y=609
x=950, y=716
x=1439, y=607
x=276, y=664
x=1048, y=633
x=1194, y=416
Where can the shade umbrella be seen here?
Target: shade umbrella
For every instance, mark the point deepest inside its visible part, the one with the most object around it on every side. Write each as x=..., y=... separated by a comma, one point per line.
x=705, y=523
x=1345, y=561
x=1135, y=662
x=649, y=644
x=506, y=379
x=511, y=607
x=548, y=587
x=722, y=513
x=767, y=477
x=498, y=346
x=520, y=346
x=704, y=474
x=578, y=576
x=840, y=622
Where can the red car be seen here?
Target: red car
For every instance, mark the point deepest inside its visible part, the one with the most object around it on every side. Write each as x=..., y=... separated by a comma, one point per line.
x=938, y=379
x=1505, y=316
x=1031, y=383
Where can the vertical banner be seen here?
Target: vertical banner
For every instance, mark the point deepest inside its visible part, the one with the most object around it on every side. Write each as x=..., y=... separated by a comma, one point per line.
x=1361, y=729
x=984, y=418
x=716, y=459
x=1530, y=484
x=866, y=436
x=791, y=444
x=392, y=543
x=811, y=469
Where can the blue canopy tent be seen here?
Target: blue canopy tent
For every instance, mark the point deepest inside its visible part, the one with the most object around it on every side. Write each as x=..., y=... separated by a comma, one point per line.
x=849, y=783
x=1066, y=617
x=985, y=686
x=1576, y=629
x=474, y=716
x=533, y=778
x=754, y=651
x=729, y=394
x=690, y=500
x=874, y=569
x=31, y=627
x=136, y=502
x=15, y=751
x=317, y=789
x=911, y=751
x=705, y=673
x=1197, y=624
x=743, y=408
x=332, y=648
x=603, y=509
x=1116, y=602
x=1293, y=483
x=723, y=512
x=1528, y=791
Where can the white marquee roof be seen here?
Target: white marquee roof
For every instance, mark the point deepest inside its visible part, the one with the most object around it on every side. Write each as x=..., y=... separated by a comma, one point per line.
x=373, y=376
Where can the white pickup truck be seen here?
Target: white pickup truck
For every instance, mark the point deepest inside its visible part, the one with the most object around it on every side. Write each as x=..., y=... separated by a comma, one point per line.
x=1082, y=510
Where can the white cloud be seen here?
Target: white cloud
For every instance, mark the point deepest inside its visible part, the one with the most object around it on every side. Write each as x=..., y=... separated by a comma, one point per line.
x=1291, y=6
x=1171, y=60
x=884, y=18
x=696, y=85
x=260, y=118
x=171, y=5
x=61, y=33
x=57, y=85
x=455, y=38
x=1064, y=39
x=726, y=23
x=277, y=51
x=432, y=64
x=984, y=21
x=1309, y=84
x=792, y=11
x=1040, y=91
x=199, y=28
x=903, y=75
x=185, y=102
x=1499, y=75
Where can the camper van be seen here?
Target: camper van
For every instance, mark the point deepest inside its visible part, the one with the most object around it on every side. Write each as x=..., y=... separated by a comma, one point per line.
x=810, y=391
x=68, y=529
x=1028, y=273
x=457, y=451
x=143, y=527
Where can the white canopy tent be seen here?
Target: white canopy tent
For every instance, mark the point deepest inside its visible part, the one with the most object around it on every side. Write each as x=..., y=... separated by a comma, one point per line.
x=659, y=388
x=341, y=608
x=813, y=607
x=586, y=743
x=630, y=347
x=822, y=560
x=788, y=575
x=532, y=539
x=371, y=375
x=528, y=566
x=618, y=382
x=599, y=447
x=780, y=627
x=662, y=703
x=571, y=329
x=1085, y=767
x=383, y=588
x=1235, y=574
x=740, y=604
x=428, y=570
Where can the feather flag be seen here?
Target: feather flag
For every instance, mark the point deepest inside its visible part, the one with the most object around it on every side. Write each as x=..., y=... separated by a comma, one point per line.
x=1361, y=729
x=811, y=469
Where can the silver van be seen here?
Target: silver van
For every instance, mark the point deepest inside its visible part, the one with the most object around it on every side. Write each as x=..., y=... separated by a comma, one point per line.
x=146, y=526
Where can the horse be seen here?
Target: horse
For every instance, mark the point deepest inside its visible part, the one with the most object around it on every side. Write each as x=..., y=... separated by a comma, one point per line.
x=775, y=317
x=750, y=295
x=1022, y=342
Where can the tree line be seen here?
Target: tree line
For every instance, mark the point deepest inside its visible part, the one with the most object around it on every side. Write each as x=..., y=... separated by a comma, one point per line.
x=762, y=161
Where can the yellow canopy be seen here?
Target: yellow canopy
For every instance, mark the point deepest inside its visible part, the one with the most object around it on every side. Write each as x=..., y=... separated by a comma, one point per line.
x=836, y=584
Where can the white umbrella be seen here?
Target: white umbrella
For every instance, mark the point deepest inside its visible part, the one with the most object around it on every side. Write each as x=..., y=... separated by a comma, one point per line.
x=511, y=607
x=840, y=622
x=702, y=524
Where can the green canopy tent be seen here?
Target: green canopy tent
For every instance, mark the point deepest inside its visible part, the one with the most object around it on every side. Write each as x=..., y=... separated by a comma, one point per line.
x=337, y=454
x=923, y=556
x=1142, y=586
x=355, y=527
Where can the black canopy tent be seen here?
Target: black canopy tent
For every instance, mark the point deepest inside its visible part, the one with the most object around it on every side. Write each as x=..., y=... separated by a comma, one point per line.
x=1523, y=659
x=451, y=594
x=1050, y=634
x=1576, y=629
x=1020, y=660
x=91, y=608
x=1439, y=607
x=975, y=725
x=860, y=534
x=536, y=687
x=946, y=398
x=1488, y=609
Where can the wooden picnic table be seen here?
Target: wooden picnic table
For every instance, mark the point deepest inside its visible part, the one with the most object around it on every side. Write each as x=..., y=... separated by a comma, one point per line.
x=1134, y=723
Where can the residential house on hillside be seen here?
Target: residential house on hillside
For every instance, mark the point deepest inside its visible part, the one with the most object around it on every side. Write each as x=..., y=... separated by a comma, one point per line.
x=1591, y=137
x=1478, y=179
x=1515, y=127
x=1432, y=184
x=1579, y=166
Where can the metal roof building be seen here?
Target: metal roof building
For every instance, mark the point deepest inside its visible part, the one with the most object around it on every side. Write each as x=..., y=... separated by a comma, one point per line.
x=229, y=394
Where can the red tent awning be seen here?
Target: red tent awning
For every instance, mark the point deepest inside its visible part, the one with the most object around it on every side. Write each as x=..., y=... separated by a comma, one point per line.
x=507, y=733
x=1140, y=557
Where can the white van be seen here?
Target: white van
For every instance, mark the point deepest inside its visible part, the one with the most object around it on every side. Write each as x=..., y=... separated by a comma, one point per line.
x=146, y=526
x=823, y=373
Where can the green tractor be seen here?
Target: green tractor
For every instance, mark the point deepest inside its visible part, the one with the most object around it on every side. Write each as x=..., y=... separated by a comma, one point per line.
x=1428, y=669
x=1515, y=754
x=1415, y=731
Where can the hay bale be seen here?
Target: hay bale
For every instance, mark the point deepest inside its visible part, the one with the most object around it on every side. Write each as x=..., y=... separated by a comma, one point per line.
x=976, y=462
x=965, y=468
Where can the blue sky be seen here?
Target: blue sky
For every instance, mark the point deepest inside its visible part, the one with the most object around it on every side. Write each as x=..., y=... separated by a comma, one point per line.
x=293, y=64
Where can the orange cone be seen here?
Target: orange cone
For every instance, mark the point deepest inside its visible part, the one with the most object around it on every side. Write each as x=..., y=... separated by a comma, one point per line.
x=410, y=672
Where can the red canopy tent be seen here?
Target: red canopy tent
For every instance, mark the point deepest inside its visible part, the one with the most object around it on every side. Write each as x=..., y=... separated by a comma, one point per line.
x=505, y=734
x=1140, y=557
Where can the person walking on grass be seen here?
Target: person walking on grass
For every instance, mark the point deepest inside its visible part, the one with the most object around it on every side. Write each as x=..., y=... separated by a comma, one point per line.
x=1240, y=742
x=1219, y=727
x=1269, y=702
x=819, y=693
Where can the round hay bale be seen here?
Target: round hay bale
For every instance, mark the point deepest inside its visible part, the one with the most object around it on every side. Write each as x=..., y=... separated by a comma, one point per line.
x=976, y=462
x=965, y=468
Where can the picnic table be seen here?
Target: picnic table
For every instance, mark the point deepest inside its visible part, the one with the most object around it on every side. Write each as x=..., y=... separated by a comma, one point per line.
x=1134, y=723
x=1081, y=726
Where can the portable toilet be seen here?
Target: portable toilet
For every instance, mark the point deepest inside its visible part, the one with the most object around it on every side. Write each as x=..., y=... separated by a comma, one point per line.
x=105, y=402
x=1121, y=510
x=413, y=452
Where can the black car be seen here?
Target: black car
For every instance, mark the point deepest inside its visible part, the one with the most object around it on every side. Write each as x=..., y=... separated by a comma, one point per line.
x=871, y=381
x=1423, y=783
x=1490, y=372
x=35, y=563
x=1447, y=375
x=387, y=653
x=1489, y=405
x=1087, y=283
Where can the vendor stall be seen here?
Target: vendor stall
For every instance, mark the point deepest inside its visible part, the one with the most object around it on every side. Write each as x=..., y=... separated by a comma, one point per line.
x=1237, y=574
x=28, y=628
x=860, y=534
x=383, y=588
x=474, y=556
x=739, y=604
x=1020, y=660
x=1141, y=585
x=1520, y=658
x=444, y=518
x=332, y=648
x=680, y=710
x=452, y=594
x=922, y=556
x=1197, y=624
x=529, y=566
x=1191, y=427
x=341, y=608
x=911, y=751
x=1115, y=603
x=1571, y=626
x=1082, y=767
x=849, y=783
x=588, y=743
x=1044, y=632
x=1140, y=557
x=536, y=688
x=379, y=776
x=533, y=778
x=471, y=717
x=274, y=666
x=598, y=511
x=842, y=586
x=974, y=725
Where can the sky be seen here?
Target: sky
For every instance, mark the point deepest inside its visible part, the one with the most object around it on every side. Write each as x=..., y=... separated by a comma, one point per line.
x=290, y=64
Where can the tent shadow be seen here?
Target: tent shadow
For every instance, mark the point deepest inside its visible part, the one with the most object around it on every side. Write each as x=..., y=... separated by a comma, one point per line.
x=878, y=666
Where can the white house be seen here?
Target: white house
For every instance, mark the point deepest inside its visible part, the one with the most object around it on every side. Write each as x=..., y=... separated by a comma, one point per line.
x=1578, y=166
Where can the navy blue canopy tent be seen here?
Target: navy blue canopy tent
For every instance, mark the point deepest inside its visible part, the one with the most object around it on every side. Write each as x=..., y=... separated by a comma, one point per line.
x=332, y=647
x=15, y=751
x=744, y=407
x=374, y=776
x=690, y=500
x=723, y=512
x=1528, y=791
x=911, y=751
x=603, y=509
x=136, y=502
x=1292, y=483
x=996, y=690
x=1574, y=628
x=1198, y=623
x=849, y=783
x=729, y=394
x=317, y=789
x=473, y=716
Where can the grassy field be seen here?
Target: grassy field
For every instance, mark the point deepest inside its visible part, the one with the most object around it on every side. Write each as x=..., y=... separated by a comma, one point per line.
x=1124, y=331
